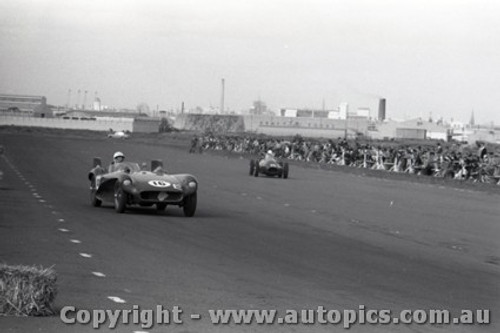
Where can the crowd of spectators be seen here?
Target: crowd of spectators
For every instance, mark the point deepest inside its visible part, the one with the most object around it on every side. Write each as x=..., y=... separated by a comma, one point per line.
x=432, y=159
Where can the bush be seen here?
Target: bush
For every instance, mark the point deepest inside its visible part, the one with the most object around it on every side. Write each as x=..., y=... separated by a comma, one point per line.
x=27, y=291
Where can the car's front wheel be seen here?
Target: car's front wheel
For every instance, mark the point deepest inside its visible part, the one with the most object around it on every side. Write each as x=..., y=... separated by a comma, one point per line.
x=93, y=198
x=252, y=167
x=190, y=205
x=120, y=199
x=161, y=206
x=285, y=171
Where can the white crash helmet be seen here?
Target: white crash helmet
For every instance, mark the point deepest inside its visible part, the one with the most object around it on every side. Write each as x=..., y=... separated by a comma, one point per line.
x=118, y=154
x=270, y=152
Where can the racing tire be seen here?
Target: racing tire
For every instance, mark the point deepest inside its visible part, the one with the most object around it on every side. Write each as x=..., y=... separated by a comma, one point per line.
x=285, y=171
x=161, y=206
x=256, y=173
x=120, y=199
x=189, y=206
x=449, y=174
x=252, y=167
x=93, y=199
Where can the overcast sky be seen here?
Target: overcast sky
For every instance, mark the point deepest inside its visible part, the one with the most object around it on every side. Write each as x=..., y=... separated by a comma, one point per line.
x=440, y=57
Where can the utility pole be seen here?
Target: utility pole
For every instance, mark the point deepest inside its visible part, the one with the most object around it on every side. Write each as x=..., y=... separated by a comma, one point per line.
x=346, y=120
x=222, y=98
x=345, y=130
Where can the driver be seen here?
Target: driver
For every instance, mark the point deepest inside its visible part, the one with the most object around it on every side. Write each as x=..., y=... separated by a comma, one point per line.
x=268, y=156
x=118, y=158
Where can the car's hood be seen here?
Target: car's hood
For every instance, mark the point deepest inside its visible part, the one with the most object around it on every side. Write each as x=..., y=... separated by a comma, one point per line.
x=268, y=163
x=145, y=176
x=160, y=179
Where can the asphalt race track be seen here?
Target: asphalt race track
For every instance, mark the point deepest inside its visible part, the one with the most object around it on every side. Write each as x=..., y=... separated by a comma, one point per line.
x=319, y=238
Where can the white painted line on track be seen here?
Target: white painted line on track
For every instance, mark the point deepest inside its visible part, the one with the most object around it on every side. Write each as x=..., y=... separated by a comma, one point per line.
x=42, y=201
x=99, y=274
x=75, y=241
x=63, y=230
x=85, y=255
x=140, y=332
x=60, y=220
x=116, y=299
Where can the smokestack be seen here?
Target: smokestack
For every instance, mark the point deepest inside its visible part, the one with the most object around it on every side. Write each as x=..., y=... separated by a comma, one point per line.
x=68, y=104
x=84, y=100
x=77, y=106
x=381, y=109
x=222, y=98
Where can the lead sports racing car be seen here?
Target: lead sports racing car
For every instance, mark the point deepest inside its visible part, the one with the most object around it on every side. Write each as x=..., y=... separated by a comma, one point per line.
x=130, y=184
x=269, y=167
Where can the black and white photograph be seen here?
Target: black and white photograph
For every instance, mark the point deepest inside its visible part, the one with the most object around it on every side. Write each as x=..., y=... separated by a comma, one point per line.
x=199, y=166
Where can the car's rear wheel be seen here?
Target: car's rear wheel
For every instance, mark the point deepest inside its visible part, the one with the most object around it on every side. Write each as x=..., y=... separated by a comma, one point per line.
x=256, y=172
x=189, y=206
x=120, y=199
x=161, y=206
x=285, y=171
x=252, y=167
x=93, y=198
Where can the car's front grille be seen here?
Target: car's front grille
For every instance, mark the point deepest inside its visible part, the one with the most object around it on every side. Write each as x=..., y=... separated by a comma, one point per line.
x=156, y=195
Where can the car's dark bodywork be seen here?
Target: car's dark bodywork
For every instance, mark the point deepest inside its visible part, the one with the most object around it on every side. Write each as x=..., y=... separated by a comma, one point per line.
x=271, y=167
x=127, y=183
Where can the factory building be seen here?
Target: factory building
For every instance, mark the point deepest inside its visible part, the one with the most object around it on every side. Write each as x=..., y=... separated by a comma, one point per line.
x=25, y=105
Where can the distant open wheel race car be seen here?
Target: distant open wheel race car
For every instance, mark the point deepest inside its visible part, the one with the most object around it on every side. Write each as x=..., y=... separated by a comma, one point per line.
x=270, y=167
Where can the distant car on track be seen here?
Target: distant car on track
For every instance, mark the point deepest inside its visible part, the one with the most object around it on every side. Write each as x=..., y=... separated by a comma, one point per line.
x=269, y=166
x=128, y=184
x=118, y=135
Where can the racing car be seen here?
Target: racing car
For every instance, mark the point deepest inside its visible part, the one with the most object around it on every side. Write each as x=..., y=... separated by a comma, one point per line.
x=269, y=166
x=118, y=135
x=127, y=184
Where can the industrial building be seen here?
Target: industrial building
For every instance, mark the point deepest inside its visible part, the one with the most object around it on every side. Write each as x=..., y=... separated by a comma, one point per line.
x=25, y=105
